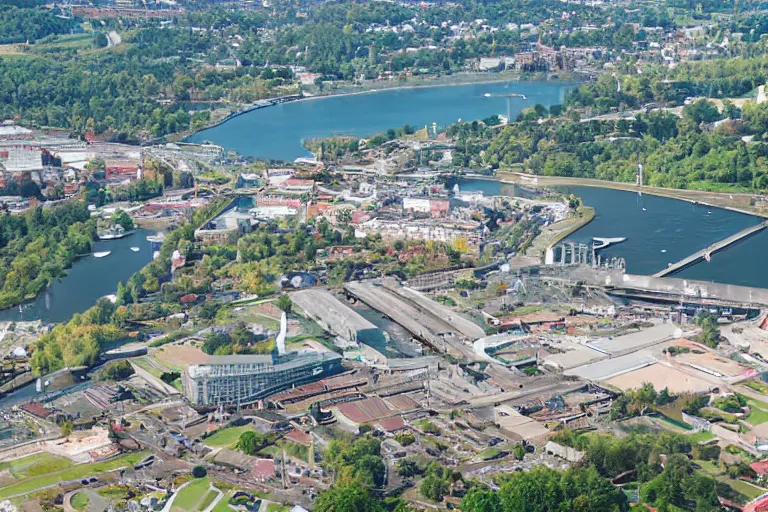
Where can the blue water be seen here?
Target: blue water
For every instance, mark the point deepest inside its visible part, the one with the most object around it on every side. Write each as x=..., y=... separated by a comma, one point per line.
x=87, y=281
x=654, y=224
x=276, y=132
x=661, y=230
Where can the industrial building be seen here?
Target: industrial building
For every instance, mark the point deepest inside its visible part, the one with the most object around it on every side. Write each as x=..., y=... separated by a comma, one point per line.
x=245, y=379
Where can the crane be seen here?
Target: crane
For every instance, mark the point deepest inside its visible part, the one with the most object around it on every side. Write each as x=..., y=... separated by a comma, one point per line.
x=508, y=98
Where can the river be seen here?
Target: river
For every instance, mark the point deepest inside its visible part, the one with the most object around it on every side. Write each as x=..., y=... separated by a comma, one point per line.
x=276, y=132
x=661, y=230
x=89, y=279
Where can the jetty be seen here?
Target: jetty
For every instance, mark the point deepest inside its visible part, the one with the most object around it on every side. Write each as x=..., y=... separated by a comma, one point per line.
x=711, y=249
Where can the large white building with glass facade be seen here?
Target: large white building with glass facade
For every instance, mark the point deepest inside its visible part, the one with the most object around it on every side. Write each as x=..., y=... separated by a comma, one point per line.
x=244, y=379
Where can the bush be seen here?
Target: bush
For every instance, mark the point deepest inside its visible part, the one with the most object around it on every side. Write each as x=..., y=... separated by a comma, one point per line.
x=199, y=472
x=115, y=370
x=169, y=377
x=405, y=438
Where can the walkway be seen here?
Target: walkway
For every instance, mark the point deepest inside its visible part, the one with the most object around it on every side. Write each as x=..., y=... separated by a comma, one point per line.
x=710, y=250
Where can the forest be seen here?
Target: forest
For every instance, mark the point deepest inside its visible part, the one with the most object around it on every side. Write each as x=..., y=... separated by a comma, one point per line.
x=37, y=247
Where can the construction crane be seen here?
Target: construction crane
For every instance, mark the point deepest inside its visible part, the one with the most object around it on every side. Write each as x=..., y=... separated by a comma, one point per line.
x=508, y=98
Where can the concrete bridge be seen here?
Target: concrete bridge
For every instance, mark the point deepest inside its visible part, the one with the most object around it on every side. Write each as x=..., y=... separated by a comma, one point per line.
x=710, y=250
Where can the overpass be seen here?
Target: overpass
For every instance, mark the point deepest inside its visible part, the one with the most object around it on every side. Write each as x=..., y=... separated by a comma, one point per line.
x=710, y=250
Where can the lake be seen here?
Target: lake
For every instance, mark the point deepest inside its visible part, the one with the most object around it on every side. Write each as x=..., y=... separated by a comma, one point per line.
x=88, y=280
x=661, y=230
x=276, y=132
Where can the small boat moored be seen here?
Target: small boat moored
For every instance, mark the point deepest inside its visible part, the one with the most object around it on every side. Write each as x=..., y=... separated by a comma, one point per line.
x=102, y=254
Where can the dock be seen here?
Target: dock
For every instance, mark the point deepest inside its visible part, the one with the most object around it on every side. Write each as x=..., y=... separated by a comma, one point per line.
x=710, y=250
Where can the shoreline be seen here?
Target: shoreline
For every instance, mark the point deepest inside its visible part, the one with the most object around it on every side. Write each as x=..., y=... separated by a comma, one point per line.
x=686, y=195
x=369, y=89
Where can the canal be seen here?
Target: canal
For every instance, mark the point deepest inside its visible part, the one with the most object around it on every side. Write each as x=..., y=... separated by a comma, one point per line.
x=89, y=279
x=276, y=132
x=661, y=230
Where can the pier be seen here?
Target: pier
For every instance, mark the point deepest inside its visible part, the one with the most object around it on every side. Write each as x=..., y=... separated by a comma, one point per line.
x=710, y=250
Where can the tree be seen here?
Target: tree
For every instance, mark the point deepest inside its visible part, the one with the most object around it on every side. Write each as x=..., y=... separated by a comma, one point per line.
x=66, y=427
x=122, y=219
x=285, y=303
x=199, y=472
x=250, y=442
x=115, y=371
x=481, y=499
x=352, y=497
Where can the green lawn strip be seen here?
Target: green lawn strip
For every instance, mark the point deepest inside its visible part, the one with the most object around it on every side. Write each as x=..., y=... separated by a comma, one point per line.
x=223, y=504
x=79, y=501
x=73, y=473
x=744, y=488
x=758, y=412
x=489, y=453
x=708, y=467
x=698, y=437
x=277, y=507
x=36, y=465
x=208, y=500
x=226, y=437
x=191, y=495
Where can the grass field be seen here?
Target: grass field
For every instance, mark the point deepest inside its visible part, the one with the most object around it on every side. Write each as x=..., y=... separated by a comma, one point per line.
x=226, y=437
x=207, y=500
x=79, y=501
x=758, y=412
x=747, y=489
x=700, y=436
x=74, y=473
x=36, y=465
x=192, y=496
x=708, y=467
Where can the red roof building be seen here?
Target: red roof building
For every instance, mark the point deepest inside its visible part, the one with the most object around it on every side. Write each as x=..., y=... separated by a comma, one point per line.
x=761, y=468
x=759, y=504
x=36, y=409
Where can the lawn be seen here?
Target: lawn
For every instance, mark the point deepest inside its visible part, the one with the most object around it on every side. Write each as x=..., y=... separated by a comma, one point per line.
x=758, y=412
x=698, y=437
x=74, y=473
x=36, y=465
x=79, y=501
x=744, y=488
x=192, y=496
x=708, y=467
x=489, y=453
x=226, y=437
x=208, y=499
x=223, y=504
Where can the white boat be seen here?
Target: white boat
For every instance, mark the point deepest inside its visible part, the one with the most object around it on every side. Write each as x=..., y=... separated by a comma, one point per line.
x=135, y=249
x=487, y=95
x=102, y=254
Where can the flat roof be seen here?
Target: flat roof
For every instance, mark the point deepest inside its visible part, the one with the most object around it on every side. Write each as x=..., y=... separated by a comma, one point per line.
x=608, y=368
x=635, y=340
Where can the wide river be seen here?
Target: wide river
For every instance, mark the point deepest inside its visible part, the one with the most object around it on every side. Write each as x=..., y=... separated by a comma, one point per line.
x=660, y=231
x=88, y=280
x=276, y=132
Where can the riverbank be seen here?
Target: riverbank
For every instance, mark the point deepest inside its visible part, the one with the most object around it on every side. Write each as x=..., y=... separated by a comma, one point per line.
x=476, y=78
x=372, y=87
x=552, y=235
x=735, y=202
